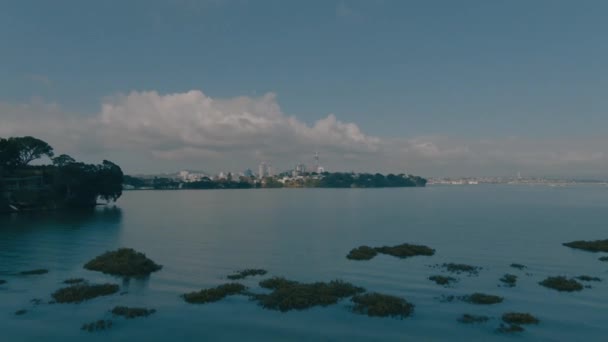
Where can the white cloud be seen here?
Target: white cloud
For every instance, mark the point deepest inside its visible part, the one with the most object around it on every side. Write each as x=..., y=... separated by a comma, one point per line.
x=147, y=132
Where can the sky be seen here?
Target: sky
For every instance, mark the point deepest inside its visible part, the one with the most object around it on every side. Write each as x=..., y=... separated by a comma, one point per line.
x=434, y=88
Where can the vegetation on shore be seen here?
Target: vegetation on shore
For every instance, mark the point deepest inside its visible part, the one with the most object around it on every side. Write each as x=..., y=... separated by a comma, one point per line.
x=482, y=299
x=283, y=180
x=590, y=246
x=562, y=284
x=130, y=313
x=247, y=273
x=214, y=294
x=65, y=183
x=382, y=305
x=443, y=280
x=289, y=295
x=123, y=262
x=82, y=292
x=471, y=319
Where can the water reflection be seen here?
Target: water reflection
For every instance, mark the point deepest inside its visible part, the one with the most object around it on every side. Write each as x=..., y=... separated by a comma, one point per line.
x=55, y=239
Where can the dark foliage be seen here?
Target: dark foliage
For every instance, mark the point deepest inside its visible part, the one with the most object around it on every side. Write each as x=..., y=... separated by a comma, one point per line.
x=35, y=272
x=381, y=305
x=519, y=318
x=81, y=292
x=129, y=313
x=461, y=268
x=562, y=284
x=482, y=298
x=406, y=250
x=246, y=273
x=214, y=294
x=291, y=295
x=588, y=278
x=443, y=280
x=362, y=253
x=470, y=319
x=20, y=312
x=97, y=325
x=18, y=152
x=350, y=180
x=518, y=266
x=591, y=246
x=509, y=280
x=123, y=262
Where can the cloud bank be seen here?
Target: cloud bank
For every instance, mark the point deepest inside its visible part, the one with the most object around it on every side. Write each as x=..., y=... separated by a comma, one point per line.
x=149, y=132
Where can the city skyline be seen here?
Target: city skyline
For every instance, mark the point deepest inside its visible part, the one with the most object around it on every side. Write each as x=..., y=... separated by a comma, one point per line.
x=470, y=88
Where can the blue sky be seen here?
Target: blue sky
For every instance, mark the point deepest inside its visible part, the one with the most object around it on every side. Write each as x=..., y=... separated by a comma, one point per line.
x=419, y=78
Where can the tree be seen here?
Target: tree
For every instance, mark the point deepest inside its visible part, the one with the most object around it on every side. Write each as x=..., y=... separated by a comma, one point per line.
x=63, y=160
x=18, y=152
x=80, y=184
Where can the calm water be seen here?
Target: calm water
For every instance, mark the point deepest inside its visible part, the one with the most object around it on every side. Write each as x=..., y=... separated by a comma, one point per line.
x=202, y=236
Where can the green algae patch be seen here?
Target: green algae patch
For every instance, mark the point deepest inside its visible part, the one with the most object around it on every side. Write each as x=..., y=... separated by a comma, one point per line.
x=509, y=280
x=214, y=294
x=443, y=280
x=406, y=250
x=460, y=268
x=277, y=282
x=604, y=258
x=292, y=295
x=81, y=292
x=130, y=313
x=73, y=281
x=518, y=266
x=382, y=305
x=123, y=262
x=20, y=312
x=482, y=299
x=2, y=281
x=362, y=253
x=519, y=318
x=509, y=328
x=562, y=284
x=247, y=273
x=34, y=272
x=588, y=278
x=473, y=319
x=590, y=246
x=99, y=325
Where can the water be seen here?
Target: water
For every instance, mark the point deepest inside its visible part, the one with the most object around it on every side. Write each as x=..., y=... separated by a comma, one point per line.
x=304, y=234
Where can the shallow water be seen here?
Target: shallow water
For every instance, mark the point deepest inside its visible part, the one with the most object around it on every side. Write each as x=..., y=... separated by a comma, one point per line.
x=304, y=234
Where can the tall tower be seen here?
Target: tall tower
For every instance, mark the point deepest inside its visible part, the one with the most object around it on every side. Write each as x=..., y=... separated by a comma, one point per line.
x=317, y=164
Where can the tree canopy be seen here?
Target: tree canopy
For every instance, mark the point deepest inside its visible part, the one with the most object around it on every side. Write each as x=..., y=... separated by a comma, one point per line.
x=66, y=182
x=18, y=152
